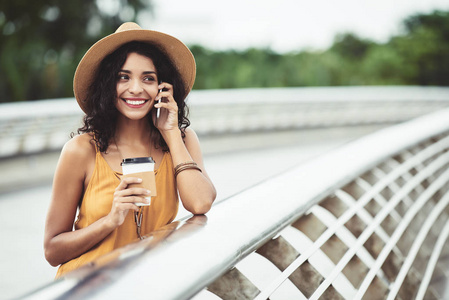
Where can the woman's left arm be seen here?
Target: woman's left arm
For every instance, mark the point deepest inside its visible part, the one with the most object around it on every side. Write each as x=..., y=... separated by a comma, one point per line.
x=196, y=190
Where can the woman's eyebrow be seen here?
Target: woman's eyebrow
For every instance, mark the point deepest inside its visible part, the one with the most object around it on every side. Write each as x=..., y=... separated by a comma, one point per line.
x=145, y=72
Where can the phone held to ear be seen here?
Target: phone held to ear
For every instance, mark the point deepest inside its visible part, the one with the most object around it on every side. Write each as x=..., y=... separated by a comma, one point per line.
x=158, y=111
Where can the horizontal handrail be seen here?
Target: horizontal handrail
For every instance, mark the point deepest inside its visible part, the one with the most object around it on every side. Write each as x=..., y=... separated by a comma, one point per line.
x=39, y=126
x=181, y=259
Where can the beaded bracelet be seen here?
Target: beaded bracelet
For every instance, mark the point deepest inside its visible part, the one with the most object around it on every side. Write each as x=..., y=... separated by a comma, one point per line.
x=185, y=166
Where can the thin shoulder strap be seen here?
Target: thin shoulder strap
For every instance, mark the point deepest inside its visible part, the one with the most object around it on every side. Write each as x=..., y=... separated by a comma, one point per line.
x=95, y=144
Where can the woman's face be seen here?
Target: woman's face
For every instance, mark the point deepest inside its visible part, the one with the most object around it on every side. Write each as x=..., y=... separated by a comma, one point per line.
x=137, y=86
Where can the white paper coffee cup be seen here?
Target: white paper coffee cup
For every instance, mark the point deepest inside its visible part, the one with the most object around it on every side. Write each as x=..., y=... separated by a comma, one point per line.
x=141, y=167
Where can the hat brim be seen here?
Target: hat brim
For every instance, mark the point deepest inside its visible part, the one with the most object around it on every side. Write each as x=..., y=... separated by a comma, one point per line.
x=176, y=51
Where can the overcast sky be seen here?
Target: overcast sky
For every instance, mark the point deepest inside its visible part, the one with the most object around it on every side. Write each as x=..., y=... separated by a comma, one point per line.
x=283, y=25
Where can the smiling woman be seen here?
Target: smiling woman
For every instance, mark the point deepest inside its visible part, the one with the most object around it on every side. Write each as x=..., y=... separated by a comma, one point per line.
x=117, y=84
x=137, y=86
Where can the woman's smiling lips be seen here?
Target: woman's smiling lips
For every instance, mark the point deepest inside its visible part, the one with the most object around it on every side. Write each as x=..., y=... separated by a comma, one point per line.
x=135, y=102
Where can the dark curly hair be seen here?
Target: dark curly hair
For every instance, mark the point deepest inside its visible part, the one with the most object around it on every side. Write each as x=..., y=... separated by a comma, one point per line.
x=102, y=94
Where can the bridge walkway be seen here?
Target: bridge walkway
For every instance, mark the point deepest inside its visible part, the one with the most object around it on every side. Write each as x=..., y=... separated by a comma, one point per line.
x=22, y=212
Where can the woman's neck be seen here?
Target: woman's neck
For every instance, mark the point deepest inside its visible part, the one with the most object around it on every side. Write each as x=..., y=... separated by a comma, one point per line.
x=132, y=131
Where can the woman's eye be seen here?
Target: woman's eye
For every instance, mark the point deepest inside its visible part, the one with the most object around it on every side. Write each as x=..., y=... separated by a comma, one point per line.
x=122, y=76
x=149, y=78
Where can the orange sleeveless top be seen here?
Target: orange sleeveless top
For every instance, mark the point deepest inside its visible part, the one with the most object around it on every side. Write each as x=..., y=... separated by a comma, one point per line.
x=97, y=203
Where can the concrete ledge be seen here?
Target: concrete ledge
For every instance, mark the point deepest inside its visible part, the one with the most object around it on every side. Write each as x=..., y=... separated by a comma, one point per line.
x=26, y=171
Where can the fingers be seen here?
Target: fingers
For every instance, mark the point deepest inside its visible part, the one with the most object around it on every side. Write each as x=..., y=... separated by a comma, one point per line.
x=168, y=119
x=123, y=194
x=139, y=192
x=119, y=199
x=167, y=93
x=125, y=199
x=125, y=202
x=167, y=102
x=122, y=189
x=165, y=86
x=167, y=98
x=125, y=181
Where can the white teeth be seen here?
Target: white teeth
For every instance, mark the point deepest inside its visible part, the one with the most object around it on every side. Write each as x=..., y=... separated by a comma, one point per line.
x=135, y=102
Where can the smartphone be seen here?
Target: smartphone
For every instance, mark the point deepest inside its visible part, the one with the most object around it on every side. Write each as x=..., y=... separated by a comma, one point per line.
x=158, y=111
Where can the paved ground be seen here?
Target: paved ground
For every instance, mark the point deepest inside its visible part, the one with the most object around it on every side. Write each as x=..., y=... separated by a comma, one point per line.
x=22, y=212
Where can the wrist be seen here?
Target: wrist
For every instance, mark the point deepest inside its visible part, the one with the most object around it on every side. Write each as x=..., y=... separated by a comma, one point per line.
x=172, y=136
x=108, y=223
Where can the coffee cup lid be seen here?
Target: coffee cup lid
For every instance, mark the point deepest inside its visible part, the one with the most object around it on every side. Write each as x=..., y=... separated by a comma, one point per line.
x=137, y=160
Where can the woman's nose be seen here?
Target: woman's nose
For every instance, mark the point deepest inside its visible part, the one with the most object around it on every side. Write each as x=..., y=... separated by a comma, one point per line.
x=135, y=87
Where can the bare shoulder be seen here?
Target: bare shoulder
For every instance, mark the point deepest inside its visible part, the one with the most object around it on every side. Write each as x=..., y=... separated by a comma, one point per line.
x=80, y=147
x=192, y=143
x=193, y=146
x=77, y=160
x=190, y=135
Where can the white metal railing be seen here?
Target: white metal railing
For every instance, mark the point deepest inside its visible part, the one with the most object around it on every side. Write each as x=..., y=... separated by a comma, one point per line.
x=368, y=219
x=39, y=126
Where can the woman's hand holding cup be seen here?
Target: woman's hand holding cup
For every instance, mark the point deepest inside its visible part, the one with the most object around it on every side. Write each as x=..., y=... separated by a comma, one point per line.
x=127, y=198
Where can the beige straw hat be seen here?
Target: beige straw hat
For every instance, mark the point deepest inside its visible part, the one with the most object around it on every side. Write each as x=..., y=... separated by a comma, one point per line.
x=177, y=52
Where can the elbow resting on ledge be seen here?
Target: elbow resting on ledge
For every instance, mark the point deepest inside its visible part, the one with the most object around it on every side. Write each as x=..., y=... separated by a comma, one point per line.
x=50, y=257
x=200, y=209
x=199, y=206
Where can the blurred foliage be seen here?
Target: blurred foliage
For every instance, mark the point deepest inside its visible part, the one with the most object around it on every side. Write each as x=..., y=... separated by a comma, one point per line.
x=41, y=43
x=418, y=56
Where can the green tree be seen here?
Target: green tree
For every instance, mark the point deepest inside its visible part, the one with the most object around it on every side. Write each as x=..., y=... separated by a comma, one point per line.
x=383, y=65
x=41, y=42
x=349, y=45
x=424, y=48
x=348, y=52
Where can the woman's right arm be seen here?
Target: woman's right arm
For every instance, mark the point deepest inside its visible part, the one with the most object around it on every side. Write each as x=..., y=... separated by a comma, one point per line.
x=61, y=242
